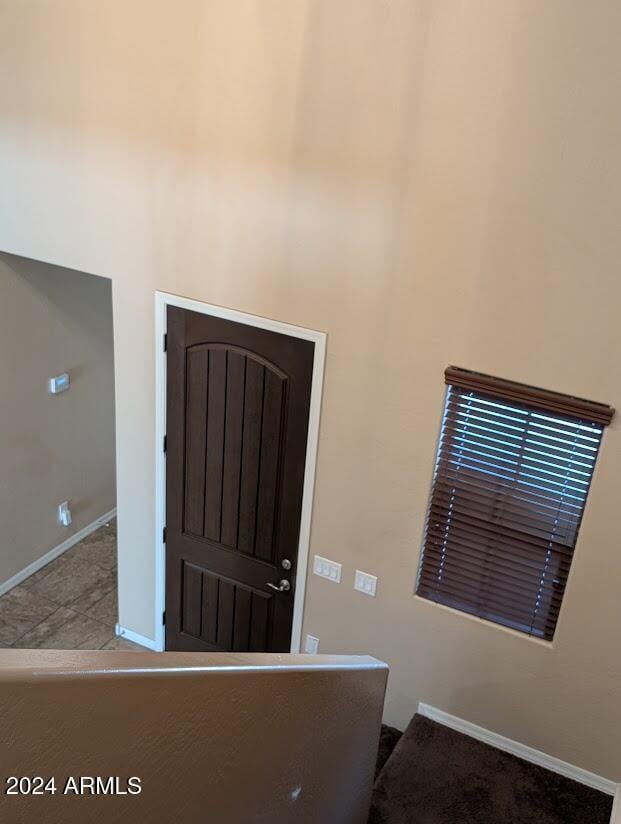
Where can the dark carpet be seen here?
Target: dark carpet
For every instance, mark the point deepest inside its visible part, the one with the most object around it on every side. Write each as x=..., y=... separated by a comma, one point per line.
x=389, y=738
x=438, y=776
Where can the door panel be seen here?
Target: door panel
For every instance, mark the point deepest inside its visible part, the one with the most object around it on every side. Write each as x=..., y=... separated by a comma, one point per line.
x=196, y=439
x=233, y=446
x=216, y=394
x=237, y=417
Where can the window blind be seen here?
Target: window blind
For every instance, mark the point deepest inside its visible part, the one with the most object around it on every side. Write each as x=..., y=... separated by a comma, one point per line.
x=513, y=470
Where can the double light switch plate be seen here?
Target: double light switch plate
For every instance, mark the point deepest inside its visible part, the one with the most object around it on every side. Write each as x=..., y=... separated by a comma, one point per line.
x=327, y=569
x=365, y=583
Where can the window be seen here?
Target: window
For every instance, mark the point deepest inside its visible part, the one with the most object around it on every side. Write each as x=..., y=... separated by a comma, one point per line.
x=512, y=475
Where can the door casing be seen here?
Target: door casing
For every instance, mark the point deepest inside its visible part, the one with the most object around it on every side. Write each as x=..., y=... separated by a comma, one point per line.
x=162, y=301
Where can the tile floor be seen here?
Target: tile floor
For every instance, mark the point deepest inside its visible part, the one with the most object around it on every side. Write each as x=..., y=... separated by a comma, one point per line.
x=69, y=604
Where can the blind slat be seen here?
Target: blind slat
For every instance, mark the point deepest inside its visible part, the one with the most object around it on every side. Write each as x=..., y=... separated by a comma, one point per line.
x=514, y=533
x=510, y=457
x=473, y=566
x=501, y=485
x=521, y=561
x=475, y=417
x=508, y=512
x=512, y=474
x=514, y=522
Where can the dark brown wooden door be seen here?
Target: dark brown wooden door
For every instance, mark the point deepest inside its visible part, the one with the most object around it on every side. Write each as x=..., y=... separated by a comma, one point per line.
x=237, y=420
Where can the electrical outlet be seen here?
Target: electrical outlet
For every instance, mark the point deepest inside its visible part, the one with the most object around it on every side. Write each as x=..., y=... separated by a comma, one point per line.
x=59, y=384
x=311, y=645
x=64, y=514
x=365, y=583
x=327, y=569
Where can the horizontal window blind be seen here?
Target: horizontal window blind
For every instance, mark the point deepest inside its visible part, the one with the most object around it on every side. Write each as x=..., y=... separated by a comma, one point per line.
x=509, y=489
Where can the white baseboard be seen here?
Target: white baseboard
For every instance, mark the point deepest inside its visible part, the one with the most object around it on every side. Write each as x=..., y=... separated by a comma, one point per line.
x=130, y=635
x=522, y=751
x=74, y=539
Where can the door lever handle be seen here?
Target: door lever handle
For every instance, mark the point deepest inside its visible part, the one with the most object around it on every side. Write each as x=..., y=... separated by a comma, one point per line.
x=283, y=586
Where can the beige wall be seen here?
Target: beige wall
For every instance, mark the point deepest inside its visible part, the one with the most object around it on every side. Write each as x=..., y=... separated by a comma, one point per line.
x=52, y=448
x=429, y=182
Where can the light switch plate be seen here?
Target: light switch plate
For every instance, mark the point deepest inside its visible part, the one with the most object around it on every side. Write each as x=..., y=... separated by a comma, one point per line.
x=59, y=384
x=365, y=583
x=327, y=569
x=311, y=645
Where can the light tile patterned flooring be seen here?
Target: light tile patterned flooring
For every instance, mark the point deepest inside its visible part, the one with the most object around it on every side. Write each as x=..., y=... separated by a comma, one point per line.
x=69, y=604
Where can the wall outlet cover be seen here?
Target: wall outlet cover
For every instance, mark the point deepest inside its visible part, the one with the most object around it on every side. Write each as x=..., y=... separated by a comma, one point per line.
x=64, y=514
x=58, y=384
x=311, y=645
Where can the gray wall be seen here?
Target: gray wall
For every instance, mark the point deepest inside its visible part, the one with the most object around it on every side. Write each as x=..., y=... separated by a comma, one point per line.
x=52, y=448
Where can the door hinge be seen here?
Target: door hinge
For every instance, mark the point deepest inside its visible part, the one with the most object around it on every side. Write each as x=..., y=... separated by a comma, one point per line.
x=165, y=342
x=164, y=535
x=164, y=617
x=165, y=446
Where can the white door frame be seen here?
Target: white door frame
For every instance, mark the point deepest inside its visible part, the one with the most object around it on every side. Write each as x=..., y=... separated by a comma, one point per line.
x=162, y=301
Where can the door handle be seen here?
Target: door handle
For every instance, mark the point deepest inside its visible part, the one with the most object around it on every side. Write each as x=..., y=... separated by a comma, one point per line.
x=282, y=586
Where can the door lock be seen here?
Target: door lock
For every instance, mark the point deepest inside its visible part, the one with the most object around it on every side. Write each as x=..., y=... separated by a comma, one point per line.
x=285, y=563
x=282, y=586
